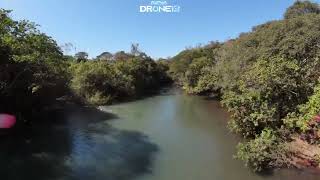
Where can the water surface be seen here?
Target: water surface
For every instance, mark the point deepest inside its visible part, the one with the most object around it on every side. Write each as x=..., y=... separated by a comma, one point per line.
x=170, y=136
x=193, y=139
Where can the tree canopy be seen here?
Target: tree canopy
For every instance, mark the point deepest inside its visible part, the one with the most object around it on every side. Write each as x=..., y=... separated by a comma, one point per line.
x=34, y=73
x=301, y=8
x=264, y=78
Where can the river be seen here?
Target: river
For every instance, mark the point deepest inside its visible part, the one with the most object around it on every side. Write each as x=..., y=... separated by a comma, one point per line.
x=170, y=136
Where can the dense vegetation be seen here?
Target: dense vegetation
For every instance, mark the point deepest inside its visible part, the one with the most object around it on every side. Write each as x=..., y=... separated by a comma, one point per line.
x=32, y=67
x=34, y=73
x=265, y=78
x=101, y=82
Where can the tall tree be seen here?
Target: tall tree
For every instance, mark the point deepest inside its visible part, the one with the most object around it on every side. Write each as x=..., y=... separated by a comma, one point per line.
x=81, y=56
x=300, y=8
x=105, y=56
x=135, y=49
x=121, y=55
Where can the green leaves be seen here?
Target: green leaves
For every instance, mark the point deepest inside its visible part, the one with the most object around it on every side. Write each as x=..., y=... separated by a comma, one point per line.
x=32, y=67
x=266, y=93
x=182, y=62
x=305, y=113
x=259, y=153
x=265, y=77
x=300, y=8
x=101, y=82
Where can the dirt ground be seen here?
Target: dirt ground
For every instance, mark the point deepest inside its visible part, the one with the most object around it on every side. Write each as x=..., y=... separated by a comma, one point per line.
x=303, y=154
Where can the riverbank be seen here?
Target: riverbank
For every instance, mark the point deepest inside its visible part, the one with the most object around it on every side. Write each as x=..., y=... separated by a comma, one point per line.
x=303, y=154
x=193, y=139
x=170, y=135
x=268, y=80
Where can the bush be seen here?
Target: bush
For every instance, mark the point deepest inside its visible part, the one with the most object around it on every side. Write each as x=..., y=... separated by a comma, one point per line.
x=300, y=8
x=261, y=152
x=306, y=112
x=266, y=94
x=250, y=113
x=101, y=82
x=196, y=81
x=33, y=72
x=181, y=63
x=93, y=81
x=263, y=76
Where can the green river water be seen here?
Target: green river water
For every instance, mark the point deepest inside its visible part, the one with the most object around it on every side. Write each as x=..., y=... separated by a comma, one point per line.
x=171, y=136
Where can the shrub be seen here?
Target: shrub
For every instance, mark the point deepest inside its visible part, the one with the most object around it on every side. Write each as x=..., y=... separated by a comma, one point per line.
x=93, y=80
x=261, y=152
x=306, y=112
x=199, y=78
x=300, y=8
x=101, y=82
x=267, y=92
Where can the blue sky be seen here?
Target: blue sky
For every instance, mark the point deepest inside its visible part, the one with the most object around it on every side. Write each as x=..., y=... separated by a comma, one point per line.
x=112, y=25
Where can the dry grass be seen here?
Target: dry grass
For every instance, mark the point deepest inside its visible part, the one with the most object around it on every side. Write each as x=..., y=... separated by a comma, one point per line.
x=302, y=154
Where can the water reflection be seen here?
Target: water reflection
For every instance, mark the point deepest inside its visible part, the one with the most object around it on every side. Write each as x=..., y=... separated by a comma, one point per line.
x=193, y=137
x=77, y=144
x=84, y=143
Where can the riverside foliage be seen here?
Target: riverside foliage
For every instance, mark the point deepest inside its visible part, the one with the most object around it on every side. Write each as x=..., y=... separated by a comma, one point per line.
x=267, y=78
x=101, y=82
x=34, y=73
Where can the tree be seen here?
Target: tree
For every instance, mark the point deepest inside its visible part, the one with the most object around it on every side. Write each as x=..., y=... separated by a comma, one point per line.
x=264, y=76
x=135, y=49
x=105, y=56
x=81, y=56
x=33, y=73
x=300, y=8
x=101, y=82
x=121, y=56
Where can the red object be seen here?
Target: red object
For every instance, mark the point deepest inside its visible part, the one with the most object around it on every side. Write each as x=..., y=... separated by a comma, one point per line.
x=317, y=118
x=7, y=121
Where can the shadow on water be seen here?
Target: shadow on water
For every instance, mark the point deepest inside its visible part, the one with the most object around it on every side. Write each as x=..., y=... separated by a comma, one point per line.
x=304, y=173
x=163, y=91
x=78, y=143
